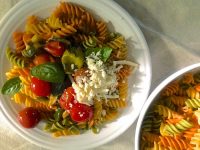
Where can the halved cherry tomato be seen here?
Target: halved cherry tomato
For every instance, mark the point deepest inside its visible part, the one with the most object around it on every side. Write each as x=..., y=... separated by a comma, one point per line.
x=55, y=48
x=81, y=112
x=67, y=99
x=40, y=87
x=41, y=59
x=29, y=117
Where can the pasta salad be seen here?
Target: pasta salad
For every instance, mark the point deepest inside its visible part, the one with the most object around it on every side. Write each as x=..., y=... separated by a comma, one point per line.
x=68, y=70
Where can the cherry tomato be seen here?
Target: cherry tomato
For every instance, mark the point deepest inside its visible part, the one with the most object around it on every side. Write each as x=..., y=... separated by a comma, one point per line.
x=67, y=100
x=41, y=59
x=81, y=112
x=29, y=117
x=55, y=48
x=40, y=87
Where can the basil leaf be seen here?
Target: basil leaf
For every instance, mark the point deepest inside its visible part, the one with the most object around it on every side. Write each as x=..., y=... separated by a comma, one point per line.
x=51, y=72
x=104, y=52
x=58, y=88
x=11, y=86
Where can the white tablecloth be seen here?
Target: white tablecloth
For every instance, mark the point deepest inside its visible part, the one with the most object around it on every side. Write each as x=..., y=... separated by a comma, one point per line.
x=172, y=31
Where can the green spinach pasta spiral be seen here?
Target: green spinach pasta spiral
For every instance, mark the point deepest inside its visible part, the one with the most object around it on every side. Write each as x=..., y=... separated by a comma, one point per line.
x=16, y=59
x=193, y=103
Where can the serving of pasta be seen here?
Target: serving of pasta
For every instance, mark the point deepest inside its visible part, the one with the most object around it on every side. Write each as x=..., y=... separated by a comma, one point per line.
x=173, y=121
x=71, y=72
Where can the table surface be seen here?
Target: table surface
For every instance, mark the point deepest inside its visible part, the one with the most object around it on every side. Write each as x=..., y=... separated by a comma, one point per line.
x=171, y=29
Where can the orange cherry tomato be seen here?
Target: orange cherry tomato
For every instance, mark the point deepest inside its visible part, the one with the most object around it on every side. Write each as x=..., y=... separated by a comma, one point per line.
x=41, y=59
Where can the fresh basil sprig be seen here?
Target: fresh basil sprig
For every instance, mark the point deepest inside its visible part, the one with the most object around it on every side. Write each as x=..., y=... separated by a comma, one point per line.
x=11, y=86
x=104, y=52
x=51, y=72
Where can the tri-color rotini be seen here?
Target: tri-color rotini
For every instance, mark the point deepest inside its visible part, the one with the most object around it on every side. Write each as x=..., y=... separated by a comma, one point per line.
x=177, y=110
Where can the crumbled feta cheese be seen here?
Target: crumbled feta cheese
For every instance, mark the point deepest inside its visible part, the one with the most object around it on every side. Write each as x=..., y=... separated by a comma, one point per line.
x=101, y=81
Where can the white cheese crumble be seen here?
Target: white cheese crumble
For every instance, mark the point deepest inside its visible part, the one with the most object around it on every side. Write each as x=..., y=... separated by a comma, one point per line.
x=101, y=81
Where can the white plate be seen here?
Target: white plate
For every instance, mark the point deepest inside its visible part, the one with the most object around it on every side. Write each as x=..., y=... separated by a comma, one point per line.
x=119, y=21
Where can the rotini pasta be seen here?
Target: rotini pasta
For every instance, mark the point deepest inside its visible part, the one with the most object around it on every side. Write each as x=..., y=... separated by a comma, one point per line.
x=116, y=103
x=102, y=31
x=26, y=90
x=173, y=129
x=123, y=90
x=188, y=134
x=64, y=31
x=195, y=140
x=54, y=23
x=89, y=43
x=170, y=89
x=69, y=10
x=150, y=137
x=16, y=59
x=166, y=112
x=124, y=72
x=65, y=132
x=178, y=100
x=111, y=115
x=175, y=143
x=118, y=44
x=192, y=93
x=20, y=98
x=193, y=103
x=188, y=78
x=18, y=40
x=17, y=71
x=41, y=29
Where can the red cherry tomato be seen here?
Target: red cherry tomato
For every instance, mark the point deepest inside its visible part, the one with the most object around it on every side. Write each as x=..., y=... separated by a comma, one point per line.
x=55, y=48
x=40, y=87
x=29, y=117
x=81, y=112
x=41, y=59
x=67, y=99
